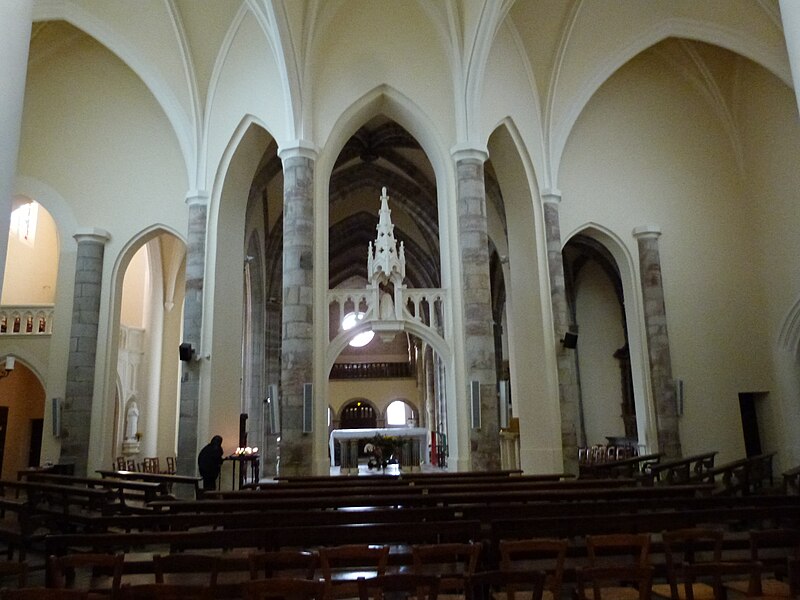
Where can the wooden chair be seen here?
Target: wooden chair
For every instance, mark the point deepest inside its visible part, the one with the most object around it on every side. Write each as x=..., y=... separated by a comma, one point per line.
x=341, y=565
x=42, y=593
x=611, y=583
x=15, y=569
x=166, y=591
x=713, y=575
x=506, y=585
x=92, y=572
x=284, y=588
x=548, y=555
x=120, y=463
x=131, y=465
x=773, y=549
x=150, y=465
x=399, y=586
x=453, y=563
x=686, y=547
x=171, y=467
x=617, y=551
x=283, y=563
x=186, y=568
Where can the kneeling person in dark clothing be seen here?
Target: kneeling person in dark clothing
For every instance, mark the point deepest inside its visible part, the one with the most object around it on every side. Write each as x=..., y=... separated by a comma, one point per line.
x=209, y=462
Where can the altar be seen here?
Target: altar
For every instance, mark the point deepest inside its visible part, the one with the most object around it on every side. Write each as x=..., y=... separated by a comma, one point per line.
x=418, y=436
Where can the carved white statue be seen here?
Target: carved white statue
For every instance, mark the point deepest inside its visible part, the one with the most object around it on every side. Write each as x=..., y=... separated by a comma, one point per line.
x=131, y=421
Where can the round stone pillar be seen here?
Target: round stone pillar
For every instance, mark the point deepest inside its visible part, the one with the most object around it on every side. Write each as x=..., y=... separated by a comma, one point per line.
x=297, y=340
x=655, y=320
x=568, y=391
x=15, y=38
x=473, y=241
x=77, y=409
x=188, y=449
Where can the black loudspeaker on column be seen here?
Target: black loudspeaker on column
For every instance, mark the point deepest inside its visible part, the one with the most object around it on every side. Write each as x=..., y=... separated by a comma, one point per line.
x=570, y=340
x=185, y=351
x=243, y=430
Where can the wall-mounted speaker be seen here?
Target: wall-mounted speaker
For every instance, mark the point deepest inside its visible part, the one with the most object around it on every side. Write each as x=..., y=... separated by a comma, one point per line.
x=185, y=352
x=505, y=407
x=475, y=404
x=56, y=406
x=679, y=397
x=243, y=430
x=570, y=340
x=308, y=408
x=272, y=409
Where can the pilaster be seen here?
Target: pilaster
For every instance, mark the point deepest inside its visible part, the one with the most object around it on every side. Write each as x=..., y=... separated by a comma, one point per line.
x=79, y=393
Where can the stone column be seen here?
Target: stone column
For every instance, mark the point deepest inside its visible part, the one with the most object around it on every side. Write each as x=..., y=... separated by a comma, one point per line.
x=15, y=37
x=478, y=324
x=188, y=446
x=568, y=394
x=655, y=321
x=790, y=17
x=297, y=341
x=78, y=396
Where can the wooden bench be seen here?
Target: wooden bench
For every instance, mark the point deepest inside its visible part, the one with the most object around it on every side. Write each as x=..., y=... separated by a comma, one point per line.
x=791, y=481
x=631, y=468
x=745, y=476
x=163, y=478
x=680, y=470
x=126, y=490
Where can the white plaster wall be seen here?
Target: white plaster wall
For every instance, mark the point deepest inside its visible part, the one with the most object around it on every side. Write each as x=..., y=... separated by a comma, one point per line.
x=771, y=138
x=133, y=290
x=599, y=323
x=647, y=150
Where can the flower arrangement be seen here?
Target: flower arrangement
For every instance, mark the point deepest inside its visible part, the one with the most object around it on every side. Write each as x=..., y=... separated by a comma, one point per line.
x=381, y=450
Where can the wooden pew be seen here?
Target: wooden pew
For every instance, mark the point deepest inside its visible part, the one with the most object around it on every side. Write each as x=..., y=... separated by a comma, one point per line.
x=163, y=478
x=680, y=470
x=791, y=481
x=126, y=490
x=742, y=477
x=632, y=467
x=420, y=487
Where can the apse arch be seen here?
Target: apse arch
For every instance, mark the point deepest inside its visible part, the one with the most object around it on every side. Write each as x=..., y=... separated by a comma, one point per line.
x=679, y=28
x=634, y=314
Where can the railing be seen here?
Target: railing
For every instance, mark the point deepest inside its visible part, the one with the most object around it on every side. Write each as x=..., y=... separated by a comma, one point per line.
x=26, y=320
x=425, y=306
x=379, y=370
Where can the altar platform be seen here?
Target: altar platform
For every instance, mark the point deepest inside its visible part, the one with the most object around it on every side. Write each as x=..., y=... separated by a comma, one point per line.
x=415, y=447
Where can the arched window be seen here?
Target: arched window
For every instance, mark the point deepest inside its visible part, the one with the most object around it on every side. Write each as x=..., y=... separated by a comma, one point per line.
x=399, y=412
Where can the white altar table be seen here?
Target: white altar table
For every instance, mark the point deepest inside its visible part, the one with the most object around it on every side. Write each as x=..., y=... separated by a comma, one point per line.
x=420, y=433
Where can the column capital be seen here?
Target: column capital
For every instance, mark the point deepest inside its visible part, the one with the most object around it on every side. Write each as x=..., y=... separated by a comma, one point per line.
x=298, y=148
x=92, y=234
x=647, y=231
x=551, y=195
x=195, y=197
x=468, y=152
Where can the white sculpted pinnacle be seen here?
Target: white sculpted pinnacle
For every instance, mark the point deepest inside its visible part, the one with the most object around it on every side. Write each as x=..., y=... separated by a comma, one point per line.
x=384, y=264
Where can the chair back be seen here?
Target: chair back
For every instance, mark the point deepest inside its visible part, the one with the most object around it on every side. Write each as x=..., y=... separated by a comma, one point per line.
x=41, y=593
x=14, y=568
x=186, y=568
x=284, y=563
x=342, y=565
x=166, y=591
x=452, y=562
x=510, y=585
x=286, y=588
x=618, y=549
x=544, y=554
x=591, y=581
x=92, y=572
x=399, y=586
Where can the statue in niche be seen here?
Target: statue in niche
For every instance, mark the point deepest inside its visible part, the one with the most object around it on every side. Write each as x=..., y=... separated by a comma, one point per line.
x=386, y=307
x=131, y=422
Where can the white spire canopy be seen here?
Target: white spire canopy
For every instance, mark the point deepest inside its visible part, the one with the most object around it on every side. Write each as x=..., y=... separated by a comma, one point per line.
x=384, y=262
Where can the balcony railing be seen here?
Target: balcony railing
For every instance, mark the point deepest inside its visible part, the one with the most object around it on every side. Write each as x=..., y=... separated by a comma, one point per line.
x=375, y=370
x=26, y=320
